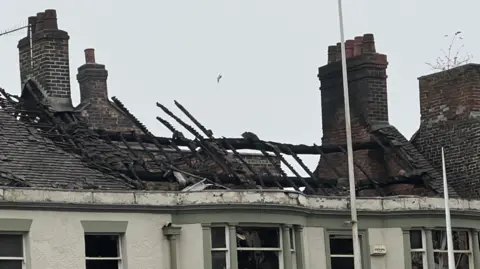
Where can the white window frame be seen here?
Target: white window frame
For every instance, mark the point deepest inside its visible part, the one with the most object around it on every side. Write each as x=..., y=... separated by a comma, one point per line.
x=24, y=241
x=348, y=236
x=469, y=252
x=422, y=250
x=279, y=250
x=119, y=258
x=226, y=249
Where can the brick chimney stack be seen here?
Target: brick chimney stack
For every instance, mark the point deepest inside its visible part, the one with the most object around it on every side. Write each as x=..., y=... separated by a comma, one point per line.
x=450, y=118
x=368, y=103
x=92, y=78
x=49, y=66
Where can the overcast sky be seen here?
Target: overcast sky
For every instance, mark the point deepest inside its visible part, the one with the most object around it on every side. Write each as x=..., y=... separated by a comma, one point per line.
x=268, y=52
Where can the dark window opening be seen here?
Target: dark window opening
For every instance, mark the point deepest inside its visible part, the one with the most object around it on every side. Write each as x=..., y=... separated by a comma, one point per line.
x=341, y=252
x=218, y=237
x=258, y=237
x=258, y=260
x=11, y=246
x=102, y=251
x=258, y=247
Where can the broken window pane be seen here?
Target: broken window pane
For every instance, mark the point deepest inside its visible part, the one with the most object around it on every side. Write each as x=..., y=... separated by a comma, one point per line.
x=416, y=239
x=341, y=245
x=417, y=260
x=460, y=240
x=101, y=246
x=258, y=237
x=258, y=260
x=342, y=263
x=11, y=245
x=461, y=260
x=218, y=237
x=219, y=260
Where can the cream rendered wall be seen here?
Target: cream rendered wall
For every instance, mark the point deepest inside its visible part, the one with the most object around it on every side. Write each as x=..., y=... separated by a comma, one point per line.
x=315, y=255
x=56, y=238
x=190, y=247
x=392, y=238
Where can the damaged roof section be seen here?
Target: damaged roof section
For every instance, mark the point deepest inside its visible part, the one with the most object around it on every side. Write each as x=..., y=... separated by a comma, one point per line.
x=28, y=159
x=140, y=160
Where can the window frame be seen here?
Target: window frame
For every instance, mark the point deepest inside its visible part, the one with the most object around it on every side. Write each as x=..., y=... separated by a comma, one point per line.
x=228, y=241
x=226, y=249
x=280, y=248
x=364, y=245
x=119, y=258
x=469, y=252
x=24, y=251
x=422, y=250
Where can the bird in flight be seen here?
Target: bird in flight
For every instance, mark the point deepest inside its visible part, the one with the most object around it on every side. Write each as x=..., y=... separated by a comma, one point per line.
x=219, y=77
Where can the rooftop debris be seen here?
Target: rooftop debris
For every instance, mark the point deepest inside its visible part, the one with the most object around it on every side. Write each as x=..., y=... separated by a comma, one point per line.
x=205, y=161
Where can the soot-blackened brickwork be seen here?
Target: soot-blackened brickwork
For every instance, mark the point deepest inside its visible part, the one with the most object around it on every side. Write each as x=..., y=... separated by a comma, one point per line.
x=95, y=106
x=47, y=60
x=367, y=78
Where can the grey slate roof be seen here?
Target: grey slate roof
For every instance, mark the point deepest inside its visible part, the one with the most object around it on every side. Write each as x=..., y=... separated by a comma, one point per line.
x=29, y=159
x=431, y=176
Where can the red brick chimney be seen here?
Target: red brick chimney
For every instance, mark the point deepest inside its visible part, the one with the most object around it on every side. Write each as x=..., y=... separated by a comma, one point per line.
x=49, y=66
x=92, y=78
x=95, y=106
x=450, y=114
x=368, y=103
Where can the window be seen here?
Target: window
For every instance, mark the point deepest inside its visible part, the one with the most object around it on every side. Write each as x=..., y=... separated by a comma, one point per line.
x=341, y=252
x=258, y=247
x=417, y=247
x=102, y=251
x=220, y=257
x=11, y=251
x=461, y=248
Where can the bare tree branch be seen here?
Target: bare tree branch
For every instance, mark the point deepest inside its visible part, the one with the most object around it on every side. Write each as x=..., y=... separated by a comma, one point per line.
x=452, y=57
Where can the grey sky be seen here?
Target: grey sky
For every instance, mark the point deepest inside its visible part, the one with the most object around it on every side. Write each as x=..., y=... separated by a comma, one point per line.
x=268, y=52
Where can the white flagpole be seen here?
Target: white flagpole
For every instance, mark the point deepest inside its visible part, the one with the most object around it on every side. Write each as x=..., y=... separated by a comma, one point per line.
x=351, y=176
x=451, y=257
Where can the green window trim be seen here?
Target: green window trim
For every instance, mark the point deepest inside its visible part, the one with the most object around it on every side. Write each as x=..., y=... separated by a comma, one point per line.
x=284, y=232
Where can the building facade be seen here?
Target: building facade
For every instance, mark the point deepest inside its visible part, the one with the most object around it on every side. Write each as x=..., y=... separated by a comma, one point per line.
x=88, y=186
x=228, y=229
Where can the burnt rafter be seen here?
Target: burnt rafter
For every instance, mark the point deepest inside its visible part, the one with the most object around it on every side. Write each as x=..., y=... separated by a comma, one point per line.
x=217, y=154
x=241, y=144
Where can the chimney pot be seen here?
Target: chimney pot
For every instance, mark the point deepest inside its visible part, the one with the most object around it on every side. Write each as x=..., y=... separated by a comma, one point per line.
x=40, y=21
x=90, y=56
x=368, y=43
x=358, y=45
x=50, y=21
x=349, y=45
x=338, y=56
x=32, y=22
x=332, y=51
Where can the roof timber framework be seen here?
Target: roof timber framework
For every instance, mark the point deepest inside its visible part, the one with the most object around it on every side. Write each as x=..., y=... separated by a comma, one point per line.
x=215, y=159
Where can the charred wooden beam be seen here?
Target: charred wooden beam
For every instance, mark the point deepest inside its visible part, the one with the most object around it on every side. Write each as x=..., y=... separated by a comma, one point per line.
x=240, y=143
x=280, y=171
x=304, y=167
x=223, y=163
x=290, y=167
x=246, y=164
x=375, y=183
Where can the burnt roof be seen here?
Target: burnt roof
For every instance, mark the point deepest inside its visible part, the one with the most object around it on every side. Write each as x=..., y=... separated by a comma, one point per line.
x=46, y=148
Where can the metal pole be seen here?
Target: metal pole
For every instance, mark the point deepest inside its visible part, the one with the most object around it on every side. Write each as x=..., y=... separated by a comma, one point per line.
x=348, y=129
x=451, y=257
